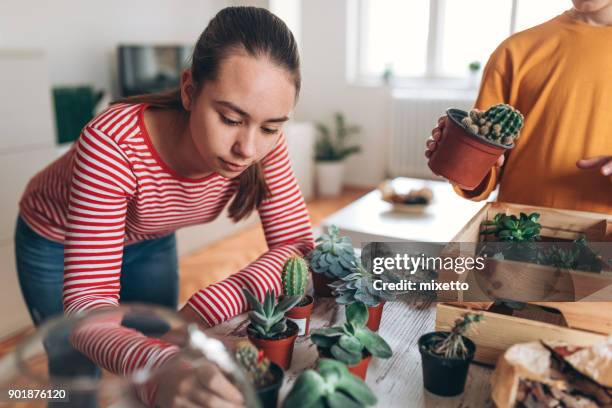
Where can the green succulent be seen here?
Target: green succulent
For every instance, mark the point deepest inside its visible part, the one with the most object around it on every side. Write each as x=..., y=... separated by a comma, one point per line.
x=295, y=277
x=347, y=343
x=452, y=345
x=268, y=319
x=575, y=255
x=510, y=228
x=332, y=385
x=333, y=255
x=500, y=123
x=358, y=286
x=255, y=365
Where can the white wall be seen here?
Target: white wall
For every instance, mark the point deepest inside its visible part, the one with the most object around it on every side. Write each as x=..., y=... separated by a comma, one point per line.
x=80, y=37
x=325, y=89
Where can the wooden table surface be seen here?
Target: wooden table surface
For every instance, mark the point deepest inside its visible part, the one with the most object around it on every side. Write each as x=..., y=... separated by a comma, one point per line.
x=397, y=382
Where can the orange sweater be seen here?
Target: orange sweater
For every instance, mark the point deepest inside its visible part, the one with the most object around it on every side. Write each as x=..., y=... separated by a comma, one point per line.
x=559, y=75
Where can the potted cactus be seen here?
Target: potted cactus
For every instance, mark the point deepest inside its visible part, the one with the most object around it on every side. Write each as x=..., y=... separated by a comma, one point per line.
x=295, y=281
x=269, y=330
x=266, y=377
x=352, y=343
x=332, y=258
x=446, y=357
x=472, y=142
x=358, y=286
x=332, y=385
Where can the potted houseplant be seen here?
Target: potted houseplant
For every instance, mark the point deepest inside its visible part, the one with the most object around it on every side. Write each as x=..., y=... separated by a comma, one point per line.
x=472, y=142
x=330, y=152
x=352, y=343
x=474, y=68
x=266, y=377
x=294, y=278
x=446, y=357
x=332, y=258
x=269, y=330
x=331, y=385
x=358, y=286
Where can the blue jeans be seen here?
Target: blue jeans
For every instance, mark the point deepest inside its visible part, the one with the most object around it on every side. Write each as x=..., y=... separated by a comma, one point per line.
x=149, y=274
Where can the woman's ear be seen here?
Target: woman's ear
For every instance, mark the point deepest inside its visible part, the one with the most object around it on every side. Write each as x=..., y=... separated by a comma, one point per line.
x=187, y=89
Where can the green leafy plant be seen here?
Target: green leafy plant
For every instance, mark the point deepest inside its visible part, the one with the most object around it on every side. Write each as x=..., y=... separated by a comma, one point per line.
x=358, y=286
x=254, y=364
x=510, y=228
x=500, y=123
x=268, y=318
x=575, y=255
x=333, y=147
x=348, y=343
x=294, y=277
x=452, y=345
x=332, y=385
x=333, y=255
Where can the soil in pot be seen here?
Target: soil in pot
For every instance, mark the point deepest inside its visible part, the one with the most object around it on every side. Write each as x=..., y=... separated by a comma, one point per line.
x=375, y=316
x=360, y=369
x=444, y=376
x=461, y=156
x=278, y=349
x=300, y=314
x=320, y=282
x=268, y=394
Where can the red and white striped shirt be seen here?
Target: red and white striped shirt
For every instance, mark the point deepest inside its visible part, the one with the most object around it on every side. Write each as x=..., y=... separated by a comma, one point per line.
x=112, y=188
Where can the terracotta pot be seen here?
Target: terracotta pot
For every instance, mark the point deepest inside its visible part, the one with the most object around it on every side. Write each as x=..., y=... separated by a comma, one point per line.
x=360, y=369
x=268, y=395
x=279, y=350
x=300, y=315
x=461, y=156
x=320, y=282
x=374, y=316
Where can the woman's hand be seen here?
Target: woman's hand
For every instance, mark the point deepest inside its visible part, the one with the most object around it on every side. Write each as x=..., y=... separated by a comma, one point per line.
x=191, y=316
x=603, y=163
x=436, y=135
x=204, y=386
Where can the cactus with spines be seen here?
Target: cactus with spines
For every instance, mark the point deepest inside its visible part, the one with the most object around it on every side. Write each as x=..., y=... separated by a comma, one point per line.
x=500, y=123
x=295, y=277
x=253, y=363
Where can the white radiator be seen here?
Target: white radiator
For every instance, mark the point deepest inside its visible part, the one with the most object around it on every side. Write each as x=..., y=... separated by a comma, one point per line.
x=413, y=116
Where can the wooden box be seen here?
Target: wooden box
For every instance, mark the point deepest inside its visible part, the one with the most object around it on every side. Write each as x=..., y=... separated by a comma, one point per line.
x=551, y=316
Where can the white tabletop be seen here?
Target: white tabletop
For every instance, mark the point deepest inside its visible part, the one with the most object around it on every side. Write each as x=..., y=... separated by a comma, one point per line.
x=372, y=219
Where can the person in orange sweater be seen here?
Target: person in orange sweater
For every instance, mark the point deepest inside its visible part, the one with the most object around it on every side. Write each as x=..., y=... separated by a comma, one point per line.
x=559, y=75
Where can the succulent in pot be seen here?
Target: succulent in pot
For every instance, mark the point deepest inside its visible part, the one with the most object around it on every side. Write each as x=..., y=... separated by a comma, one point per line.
x=352, y=343
x=446, y=357
x=332, y=258
x=358, y=286
x=294, y=278
x=270, y=330
x=472, y=142
x=266, y=377
x=331, y=385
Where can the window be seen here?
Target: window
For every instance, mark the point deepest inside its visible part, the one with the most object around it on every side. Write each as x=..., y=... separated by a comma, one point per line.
x=434, y=40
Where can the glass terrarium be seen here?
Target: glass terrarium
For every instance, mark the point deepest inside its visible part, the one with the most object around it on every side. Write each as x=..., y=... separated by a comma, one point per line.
x=114, y=357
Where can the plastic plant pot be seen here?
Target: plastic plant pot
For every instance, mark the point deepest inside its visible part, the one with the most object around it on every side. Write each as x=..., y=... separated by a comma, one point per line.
x=360, y=369
x=444, y=376
x=268, y=395
x=461, y=156
x=300, y=315
x=320, y=282
x=280, y=349
x=375, y=316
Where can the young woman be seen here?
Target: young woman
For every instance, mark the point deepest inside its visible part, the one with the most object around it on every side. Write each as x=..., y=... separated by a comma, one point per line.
x=97, y=225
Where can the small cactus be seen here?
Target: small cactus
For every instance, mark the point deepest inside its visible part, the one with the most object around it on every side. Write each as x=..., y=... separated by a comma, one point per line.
x=295, y=277
x=500, y=123
x=253, y=363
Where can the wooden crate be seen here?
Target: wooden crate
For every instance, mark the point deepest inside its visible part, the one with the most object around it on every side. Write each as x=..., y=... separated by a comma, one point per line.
x=497, y=331
x=527, y=281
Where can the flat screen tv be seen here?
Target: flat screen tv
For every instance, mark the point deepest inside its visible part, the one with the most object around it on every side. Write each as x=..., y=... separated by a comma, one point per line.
x=151, y=68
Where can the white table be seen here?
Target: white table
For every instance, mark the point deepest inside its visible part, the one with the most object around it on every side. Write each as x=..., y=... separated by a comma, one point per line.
x=371, y=219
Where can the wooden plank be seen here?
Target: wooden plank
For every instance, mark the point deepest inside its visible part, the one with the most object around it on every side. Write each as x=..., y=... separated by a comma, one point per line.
x=397, y=382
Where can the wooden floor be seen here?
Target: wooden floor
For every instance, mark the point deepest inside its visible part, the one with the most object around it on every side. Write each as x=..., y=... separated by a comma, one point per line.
x=219, y=260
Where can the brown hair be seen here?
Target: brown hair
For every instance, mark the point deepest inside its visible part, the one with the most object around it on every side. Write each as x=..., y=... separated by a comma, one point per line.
x=259, y=33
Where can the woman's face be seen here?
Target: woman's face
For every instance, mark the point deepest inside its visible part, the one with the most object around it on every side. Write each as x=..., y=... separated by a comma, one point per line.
x=237, y=119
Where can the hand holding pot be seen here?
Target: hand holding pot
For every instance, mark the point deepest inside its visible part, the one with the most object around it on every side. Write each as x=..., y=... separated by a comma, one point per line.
x=436, y=134
x=204, y=386
x=603, y=163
